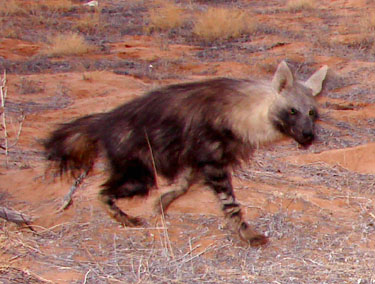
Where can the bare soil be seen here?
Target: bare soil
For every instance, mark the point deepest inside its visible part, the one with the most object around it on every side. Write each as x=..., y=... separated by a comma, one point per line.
x=317, y=205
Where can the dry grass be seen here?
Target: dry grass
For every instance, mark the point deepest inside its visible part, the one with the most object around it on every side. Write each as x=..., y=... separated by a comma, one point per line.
x=165, y=17
x=17, y=7
x=222, y=24
x=93, y=76
x=56, y=5
x=11, y=7
x=10, y=32
x=367, y=23
x=67, y=44
x=299, y=5
x=319, y=217
x=88, y=23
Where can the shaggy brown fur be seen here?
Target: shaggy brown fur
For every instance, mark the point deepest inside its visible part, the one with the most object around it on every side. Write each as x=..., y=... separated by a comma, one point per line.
x=199, y=131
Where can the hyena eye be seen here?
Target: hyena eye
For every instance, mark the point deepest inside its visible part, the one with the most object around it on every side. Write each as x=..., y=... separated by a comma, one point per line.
x=293, y=111
x=312, y=112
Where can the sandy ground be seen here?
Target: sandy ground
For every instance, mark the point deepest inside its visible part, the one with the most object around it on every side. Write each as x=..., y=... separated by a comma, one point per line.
x=316, y=205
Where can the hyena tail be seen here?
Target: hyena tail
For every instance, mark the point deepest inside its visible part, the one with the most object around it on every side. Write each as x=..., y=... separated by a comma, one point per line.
x=73, y=146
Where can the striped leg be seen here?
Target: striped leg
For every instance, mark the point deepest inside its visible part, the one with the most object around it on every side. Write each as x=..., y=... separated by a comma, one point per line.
x=167, y=198
x=219, y=179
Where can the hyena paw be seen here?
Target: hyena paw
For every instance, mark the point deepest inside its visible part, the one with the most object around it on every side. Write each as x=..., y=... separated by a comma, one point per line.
x=137, y=222
x=129, y=221
x=252, y=237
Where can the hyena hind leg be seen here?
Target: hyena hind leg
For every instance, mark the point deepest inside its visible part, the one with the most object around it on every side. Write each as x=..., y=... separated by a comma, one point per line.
x=186, y=181
x=116, y=213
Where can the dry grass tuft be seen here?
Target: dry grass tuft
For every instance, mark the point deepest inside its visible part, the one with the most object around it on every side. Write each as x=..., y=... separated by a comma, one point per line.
x=88, y=23
x=56, y=5
x=367, y=23
x=299, y=5
x=93, y=76
x=166, y=17
x=223, y=23
x=17, y=7
x=67, y=44
x=11, y=7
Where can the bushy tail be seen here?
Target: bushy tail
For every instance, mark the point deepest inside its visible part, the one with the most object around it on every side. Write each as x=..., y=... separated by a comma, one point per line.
x=73, y=146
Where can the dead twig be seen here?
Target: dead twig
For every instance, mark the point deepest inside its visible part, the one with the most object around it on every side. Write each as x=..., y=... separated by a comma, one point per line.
x=23, y=117
x=3, y=95
x=152, y=159
x=15, y=217
x=167, y=241
x=87, y=274
x=28, y=272
x=67, y=201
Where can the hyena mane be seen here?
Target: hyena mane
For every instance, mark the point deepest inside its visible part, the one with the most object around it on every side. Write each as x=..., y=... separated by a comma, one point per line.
x=197, y=131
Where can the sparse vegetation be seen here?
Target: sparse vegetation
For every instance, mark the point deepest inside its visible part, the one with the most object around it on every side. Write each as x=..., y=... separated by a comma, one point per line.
x=11, y=7
x=319, y=216
x=19, y=7
x=28, y=86
x=299, y=5
x=88, y=23
x=92, y=76
x=367, y=23
x=55, y=5
x=165, y=17
x=223, y=23
x=67, y=44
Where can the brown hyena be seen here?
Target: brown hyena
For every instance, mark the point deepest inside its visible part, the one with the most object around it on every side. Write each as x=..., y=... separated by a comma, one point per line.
x=200, y=131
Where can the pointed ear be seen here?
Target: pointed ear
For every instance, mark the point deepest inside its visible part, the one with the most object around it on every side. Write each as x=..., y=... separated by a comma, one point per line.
x=315, y=82
x=283, y=77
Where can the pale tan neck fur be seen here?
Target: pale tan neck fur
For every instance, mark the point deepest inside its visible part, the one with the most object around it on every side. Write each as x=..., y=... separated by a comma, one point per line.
x=250, y=118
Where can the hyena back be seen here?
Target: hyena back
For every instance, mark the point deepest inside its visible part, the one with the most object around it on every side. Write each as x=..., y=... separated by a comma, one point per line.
x=197, y=131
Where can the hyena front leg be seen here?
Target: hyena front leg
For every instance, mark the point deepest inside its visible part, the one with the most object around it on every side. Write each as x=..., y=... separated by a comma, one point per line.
x=219, y=179
x=186, y=181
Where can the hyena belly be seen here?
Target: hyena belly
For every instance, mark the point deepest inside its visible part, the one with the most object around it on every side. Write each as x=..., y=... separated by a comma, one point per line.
x=138, y=145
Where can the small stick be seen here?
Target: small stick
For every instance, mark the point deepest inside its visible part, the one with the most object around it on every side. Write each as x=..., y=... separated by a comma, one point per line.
x=191, y=255
x=166, y=235
x=199, y=254
x=67, y=201
x=3, y=95
x=28, y=272
x=15, y=217
x=93, y=259
x=19, y=131
x=87, y=274
x=153, y=160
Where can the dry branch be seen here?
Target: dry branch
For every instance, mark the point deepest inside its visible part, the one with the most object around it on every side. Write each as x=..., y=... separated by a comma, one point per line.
x=67, y=201
x=14, y=216
x=3, y=95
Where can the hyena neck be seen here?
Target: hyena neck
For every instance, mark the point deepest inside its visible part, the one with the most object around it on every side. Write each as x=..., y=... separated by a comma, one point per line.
x=251, y=121
x=261, y=129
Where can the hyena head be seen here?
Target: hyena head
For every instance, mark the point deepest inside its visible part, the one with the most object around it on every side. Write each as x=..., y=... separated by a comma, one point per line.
x=294, y=110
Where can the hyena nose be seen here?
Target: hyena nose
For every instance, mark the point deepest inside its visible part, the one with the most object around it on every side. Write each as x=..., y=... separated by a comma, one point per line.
x=308, y=135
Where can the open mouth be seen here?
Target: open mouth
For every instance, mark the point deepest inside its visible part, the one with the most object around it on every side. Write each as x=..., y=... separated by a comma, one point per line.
x=305, y=144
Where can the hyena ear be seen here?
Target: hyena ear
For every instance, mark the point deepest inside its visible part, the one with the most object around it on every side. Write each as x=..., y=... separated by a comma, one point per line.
x=315, y=82
x=283, y=78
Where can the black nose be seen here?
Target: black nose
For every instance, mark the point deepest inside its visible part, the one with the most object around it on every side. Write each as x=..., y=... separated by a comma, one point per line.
x=308, y=135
